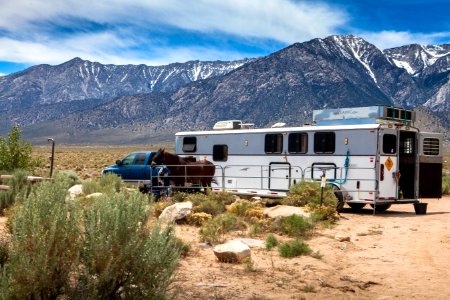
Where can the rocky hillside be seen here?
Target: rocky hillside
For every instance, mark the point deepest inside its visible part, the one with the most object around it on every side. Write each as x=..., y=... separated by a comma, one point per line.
x=81, y=101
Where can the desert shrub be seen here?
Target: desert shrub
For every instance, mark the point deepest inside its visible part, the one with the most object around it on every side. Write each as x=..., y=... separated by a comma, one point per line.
x=271, y=242
x=158, y=207
x=294, y=248
x=213, y=230
x=110, y=182
x=198, y=219
x=296, y=226
x=179, y=196
x=445, y=184
x=4, y=251
x=183, y=247
x=121, y=258
x=71, y=176
x=19, y=187
x=15, y=153
x=90, y=187
x=309, y=192
x=45, y=244
x=324, y=213
x=259, y=225
x=210, y=203
x=246, y=208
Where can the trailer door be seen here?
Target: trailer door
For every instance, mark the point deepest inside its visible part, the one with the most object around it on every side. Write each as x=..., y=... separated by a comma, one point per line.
x=388, y=164
x=430, y=165
x=279, y=176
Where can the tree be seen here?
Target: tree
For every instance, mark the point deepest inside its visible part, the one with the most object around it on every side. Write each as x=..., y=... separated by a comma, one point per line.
x=15, y=153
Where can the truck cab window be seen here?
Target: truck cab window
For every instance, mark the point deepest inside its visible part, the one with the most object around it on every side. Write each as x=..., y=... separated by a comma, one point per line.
x=140, y=159
x=129, y=159
x=389, y=144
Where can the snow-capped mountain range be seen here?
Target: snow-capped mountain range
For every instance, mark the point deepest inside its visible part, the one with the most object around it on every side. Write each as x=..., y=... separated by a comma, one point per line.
x=81, y=101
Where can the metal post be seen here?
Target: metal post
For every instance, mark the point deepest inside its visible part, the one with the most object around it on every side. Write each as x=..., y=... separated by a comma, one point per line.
x=322, y=185
x=53, y=155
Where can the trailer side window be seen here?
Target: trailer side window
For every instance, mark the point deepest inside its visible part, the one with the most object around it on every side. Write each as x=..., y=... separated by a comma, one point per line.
x=220, y=152
x=298, y=143
x=430, y=146
x=324, y=142
x=273, y=143
x=389, y=144
x=190, y=144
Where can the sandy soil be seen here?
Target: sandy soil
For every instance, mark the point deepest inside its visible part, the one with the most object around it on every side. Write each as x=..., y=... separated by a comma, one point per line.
x=396, y=254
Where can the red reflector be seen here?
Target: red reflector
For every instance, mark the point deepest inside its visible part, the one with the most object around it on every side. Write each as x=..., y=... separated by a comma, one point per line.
x=273, y=193
x=216, y=189
x=253, y=192
x=381, y=172
x=370, y=193
x=234, y=191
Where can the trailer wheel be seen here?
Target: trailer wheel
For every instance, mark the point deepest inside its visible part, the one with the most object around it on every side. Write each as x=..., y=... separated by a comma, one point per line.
x=381, y=207
x=339, y=197
x=356, y=206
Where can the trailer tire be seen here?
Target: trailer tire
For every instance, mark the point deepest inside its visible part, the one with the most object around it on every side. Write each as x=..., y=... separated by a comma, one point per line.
x=381, y=207
x=339, y=197
x=356, y=206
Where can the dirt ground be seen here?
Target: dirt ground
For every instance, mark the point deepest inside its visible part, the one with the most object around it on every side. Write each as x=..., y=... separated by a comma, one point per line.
x=396, y=254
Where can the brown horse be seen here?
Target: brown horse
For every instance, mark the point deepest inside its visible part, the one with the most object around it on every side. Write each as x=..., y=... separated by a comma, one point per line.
x=187, y=170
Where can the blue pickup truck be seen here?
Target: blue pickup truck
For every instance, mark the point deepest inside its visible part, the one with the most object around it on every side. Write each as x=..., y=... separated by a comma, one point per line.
x=135, y=168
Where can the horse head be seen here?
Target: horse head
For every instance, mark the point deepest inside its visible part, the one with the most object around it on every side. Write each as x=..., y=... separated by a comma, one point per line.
x=159, y=157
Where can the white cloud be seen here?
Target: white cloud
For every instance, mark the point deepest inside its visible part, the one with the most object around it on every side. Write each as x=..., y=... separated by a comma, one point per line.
x=391, y=39
x=30, y=28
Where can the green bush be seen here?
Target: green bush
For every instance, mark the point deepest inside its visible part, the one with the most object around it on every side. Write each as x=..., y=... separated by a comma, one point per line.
x=210, y=203
x=445, y=184
x=45, y=244
x=110, y=183
x=271, y=242
x=19, y=187
x=296, y=226
x=309, y=193
x=294, y=248
x=246, y=208
x=90, y=186
x=213, y=230
x=15, y=153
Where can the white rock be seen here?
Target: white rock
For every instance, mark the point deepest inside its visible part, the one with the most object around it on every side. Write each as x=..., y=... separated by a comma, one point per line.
x=75, y=191
x=176, y=212
x=281, y=211
x=342, y=238
x=252, y=243
x=232, y=251
x=94, y=195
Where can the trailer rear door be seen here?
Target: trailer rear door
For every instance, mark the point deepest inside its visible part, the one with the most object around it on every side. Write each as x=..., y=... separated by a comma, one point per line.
x=430, y=165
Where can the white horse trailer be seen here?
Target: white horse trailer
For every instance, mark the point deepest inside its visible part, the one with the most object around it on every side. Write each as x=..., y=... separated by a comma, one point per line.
x=371, y=155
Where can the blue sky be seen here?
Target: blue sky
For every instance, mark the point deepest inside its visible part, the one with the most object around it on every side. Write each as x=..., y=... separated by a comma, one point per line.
x=158, y=32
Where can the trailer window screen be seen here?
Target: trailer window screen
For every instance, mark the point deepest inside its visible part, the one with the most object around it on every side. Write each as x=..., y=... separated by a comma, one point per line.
x=324, y=142
x=430, y=146
x=389, y=144
x=220, y=152
x=407, y=146
x=273, y=143
x=190, y=144
x=298, y=143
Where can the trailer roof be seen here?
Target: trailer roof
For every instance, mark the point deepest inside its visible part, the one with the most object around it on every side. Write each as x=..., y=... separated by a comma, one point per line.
x=282, y=129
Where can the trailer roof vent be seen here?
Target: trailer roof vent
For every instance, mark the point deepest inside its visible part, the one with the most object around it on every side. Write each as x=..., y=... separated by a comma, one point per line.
x=228, y=125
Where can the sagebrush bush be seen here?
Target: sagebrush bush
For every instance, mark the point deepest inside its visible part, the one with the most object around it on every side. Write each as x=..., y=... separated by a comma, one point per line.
x=158, y=207
x=71, y=176
x=198, y=219
x=213, y=230
x=19, y=187
x=246, y=208
x=45, y=244
x=90, y=186
x=294, y=248
x=121, y=258
x=210, y=203
x=59, y=251
x=110, y=182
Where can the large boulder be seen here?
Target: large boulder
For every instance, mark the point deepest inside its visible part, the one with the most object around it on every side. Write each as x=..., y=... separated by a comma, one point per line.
x=232, y=251
x=75, y=191
x=281, y=211
x=176, y=212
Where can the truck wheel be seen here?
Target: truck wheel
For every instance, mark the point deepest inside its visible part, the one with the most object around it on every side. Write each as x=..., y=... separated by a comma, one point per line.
x=381, y=207
x=356, y=206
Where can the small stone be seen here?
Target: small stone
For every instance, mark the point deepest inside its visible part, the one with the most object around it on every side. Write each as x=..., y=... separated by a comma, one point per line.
x=342, y=238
